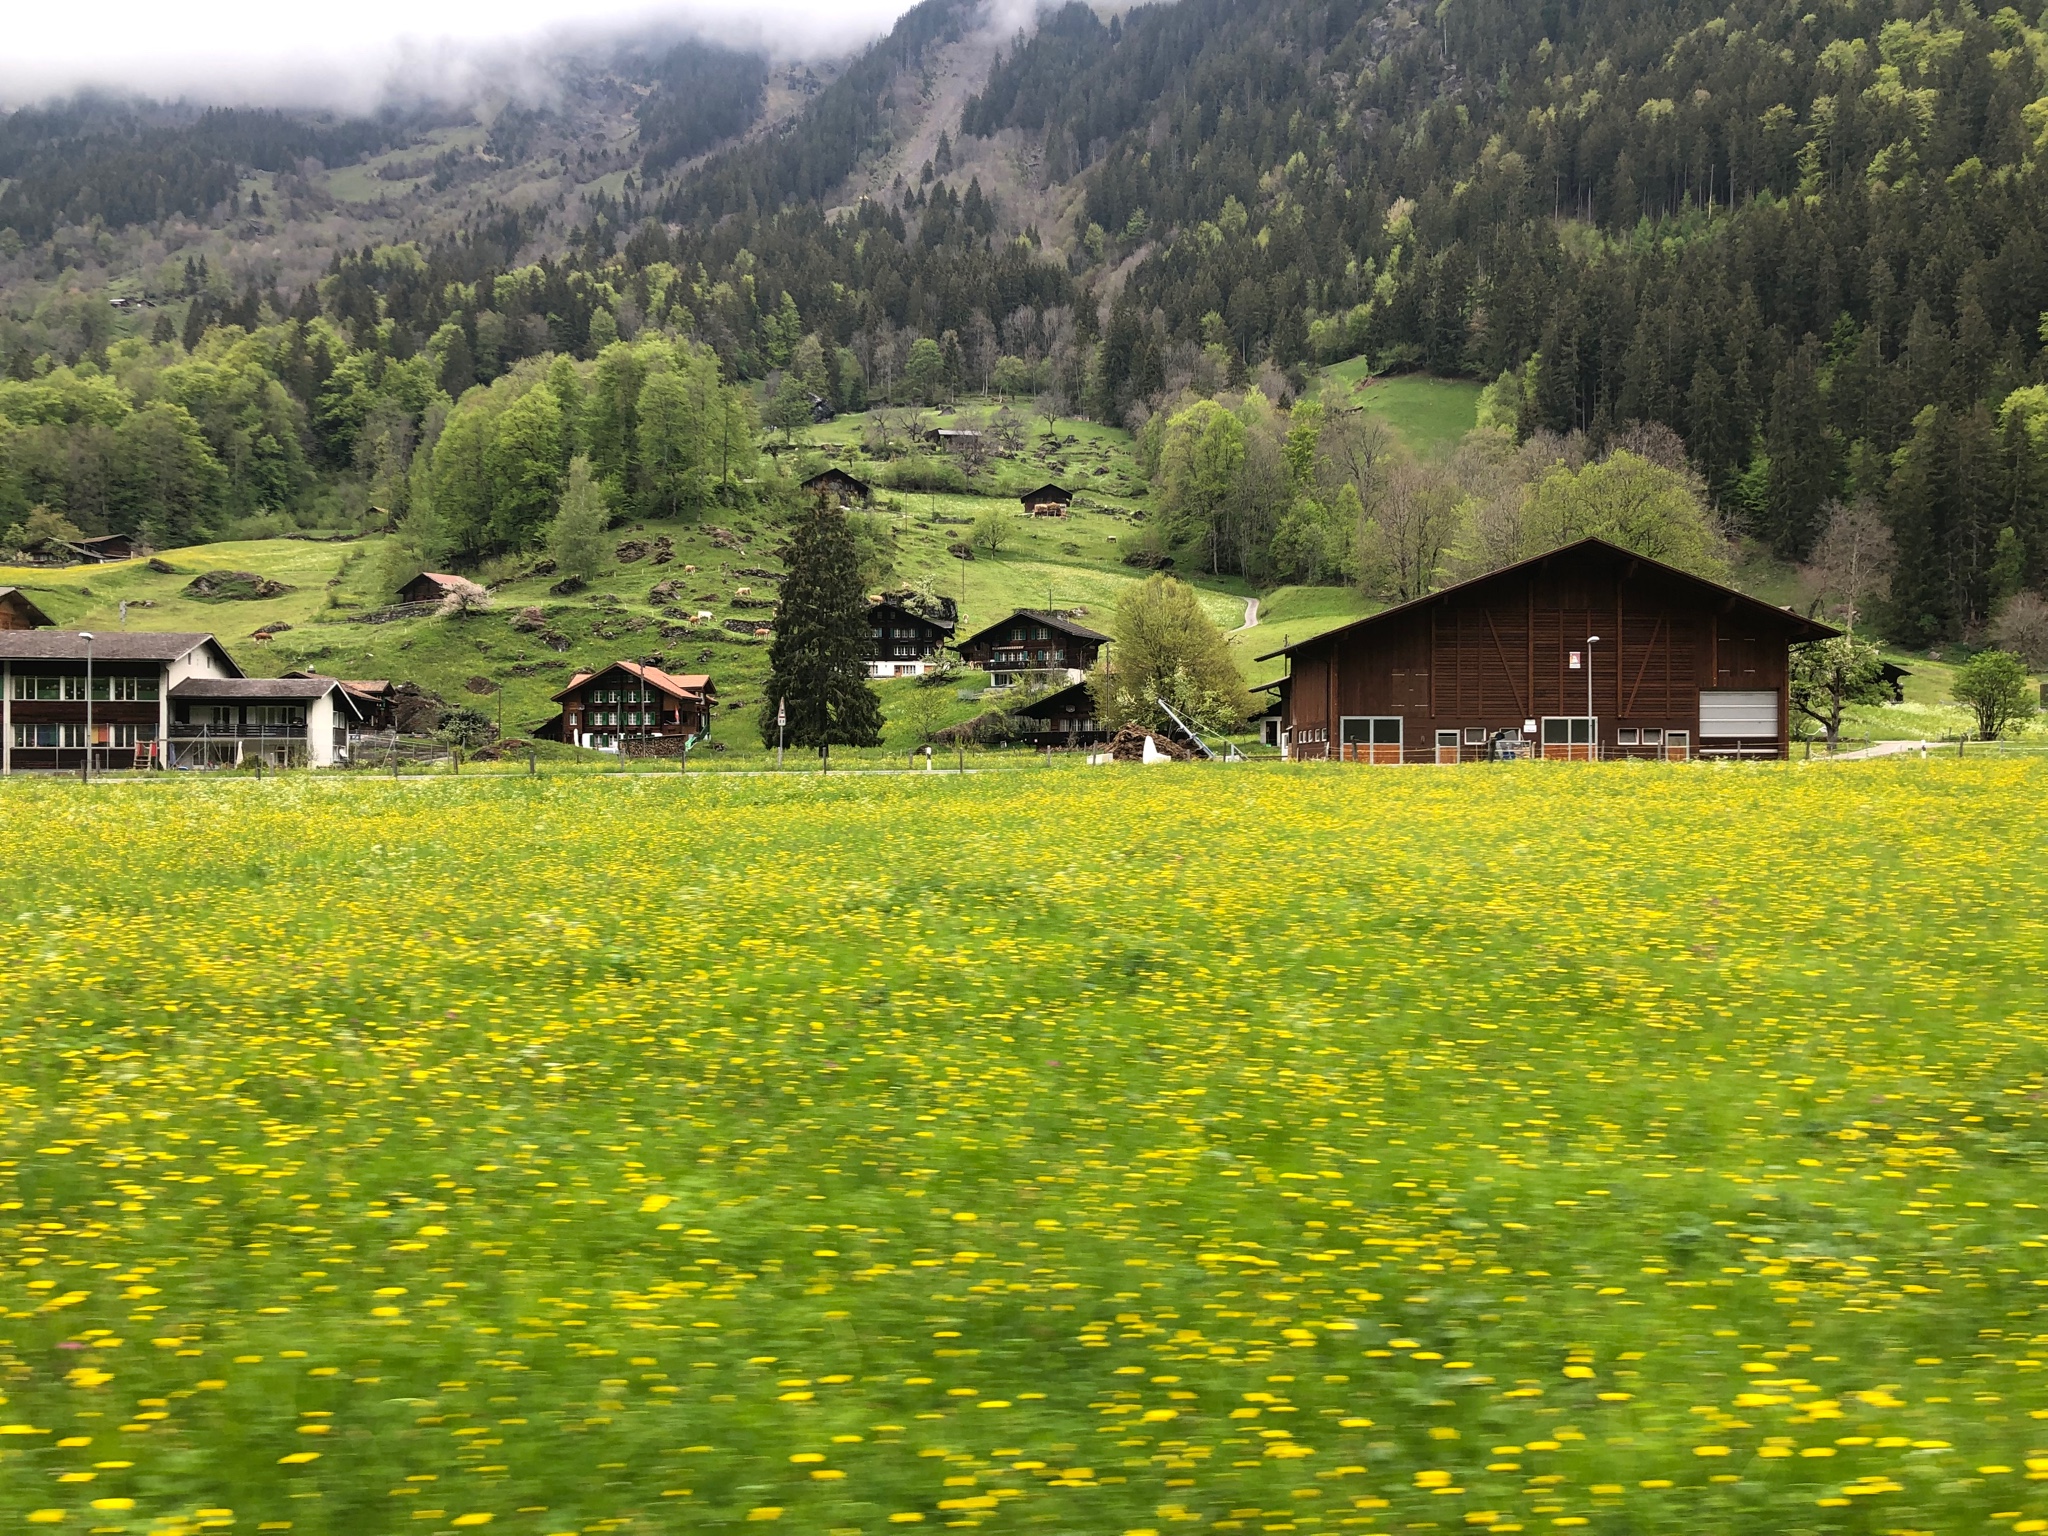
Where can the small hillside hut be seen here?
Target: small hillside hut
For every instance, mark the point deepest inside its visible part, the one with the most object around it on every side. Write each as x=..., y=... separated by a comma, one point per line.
x=429, y=587
x=17, y=612
x=1048, y=501
x=108, y=546
x=837, y=485
x=1589, y=651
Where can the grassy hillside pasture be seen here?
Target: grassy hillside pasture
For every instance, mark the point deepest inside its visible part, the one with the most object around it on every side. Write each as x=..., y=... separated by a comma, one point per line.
x=1430, y=414
x=1116, y=1151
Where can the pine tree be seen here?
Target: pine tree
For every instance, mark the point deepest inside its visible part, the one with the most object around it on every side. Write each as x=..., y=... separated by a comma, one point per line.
x=818, y=661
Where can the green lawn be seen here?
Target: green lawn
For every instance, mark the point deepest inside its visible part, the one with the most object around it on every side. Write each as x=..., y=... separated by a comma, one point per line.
x=1657, y=1149
x=1430, y=414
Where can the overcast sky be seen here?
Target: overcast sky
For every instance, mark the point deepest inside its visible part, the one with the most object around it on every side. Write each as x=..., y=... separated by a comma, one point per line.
x=350, y=54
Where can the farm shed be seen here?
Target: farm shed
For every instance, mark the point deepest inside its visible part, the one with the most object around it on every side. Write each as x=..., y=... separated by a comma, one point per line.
x=1033, y=640
x=1047, y=501
x=839, y=486
x=1677, y=666
x=429, y=587
x=17, y=612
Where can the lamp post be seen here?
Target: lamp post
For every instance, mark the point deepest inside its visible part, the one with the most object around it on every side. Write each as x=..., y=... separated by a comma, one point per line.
x=85, y=768
x=1592, y=735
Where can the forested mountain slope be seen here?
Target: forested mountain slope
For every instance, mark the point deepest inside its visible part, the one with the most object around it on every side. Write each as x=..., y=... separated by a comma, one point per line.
x=1807, y=241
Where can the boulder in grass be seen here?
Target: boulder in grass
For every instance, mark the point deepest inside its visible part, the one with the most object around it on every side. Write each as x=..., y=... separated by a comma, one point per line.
x=630, y=550
x=529, y=621
x=233, y=586
x=268, y=630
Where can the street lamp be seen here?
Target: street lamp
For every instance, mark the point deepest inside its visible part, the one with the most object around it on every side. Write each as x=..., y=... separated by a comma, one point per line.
x=1592, y=735
x=85, y=771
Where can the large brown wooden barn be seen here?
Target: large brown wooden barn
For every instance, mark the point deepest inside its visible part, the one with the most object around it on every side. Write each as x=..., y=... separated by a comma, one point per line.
x=1678, y=667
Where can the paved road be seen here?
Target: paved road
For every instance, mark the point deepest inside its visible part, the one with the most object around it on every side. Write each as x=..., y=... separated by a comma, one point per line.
x=1251, y=612
x=1879, y=749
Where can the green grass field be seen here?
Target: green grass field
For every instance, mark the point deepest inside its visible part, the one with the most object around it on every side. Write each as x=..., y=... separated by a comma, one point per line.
x=1652, y=1149
x=1430, y=414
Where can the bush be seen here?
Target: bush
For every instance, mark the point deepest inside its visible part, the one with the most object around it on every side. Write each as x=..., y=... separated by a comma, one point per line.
x=922, y=472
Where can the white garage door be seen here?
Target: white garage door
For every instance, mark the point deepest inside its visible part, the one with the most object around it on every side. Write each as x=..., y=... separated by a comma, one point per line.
x=1727, y=712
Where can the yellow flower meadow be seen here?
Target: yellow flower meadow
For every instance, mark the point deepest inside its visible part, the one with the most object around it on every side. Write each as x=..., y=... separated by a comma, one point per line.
x=1243, y=1149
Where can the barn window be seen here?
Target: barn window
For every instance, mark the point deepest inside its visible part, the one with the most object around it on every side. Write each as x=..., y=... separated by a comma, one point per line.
x=1475, y=735
x=1369, y=738
x=1627, y=736
x=1652, y=736
x=1569, y=736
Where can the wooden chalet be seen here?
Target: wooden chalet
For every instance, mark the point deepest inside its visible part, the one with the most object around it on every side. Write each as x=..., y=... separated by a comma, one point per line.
x=907, y=635
x=954, y=439
x=1047, y=501
x=428, y=587
x=838, y=485
x=631, y=701
x=1065, y=718
x=1033, y=641
x=18, y=612
x=1677, y=666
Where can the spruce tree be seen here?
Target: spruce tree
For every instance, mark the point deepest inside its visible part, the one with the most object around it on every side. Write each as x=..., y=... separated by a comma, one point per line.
x=817, y=662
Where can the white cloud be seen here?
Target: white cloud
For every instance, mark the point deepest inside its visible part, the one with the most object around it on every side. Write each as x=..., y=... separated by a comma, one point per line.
x=357, y=53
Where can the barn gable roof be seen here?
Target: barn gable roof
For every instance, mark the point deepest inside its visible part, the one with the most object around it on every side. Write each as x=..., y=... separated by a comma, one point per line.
x=1802, y=629
x=19, y=600
x=1046, y=706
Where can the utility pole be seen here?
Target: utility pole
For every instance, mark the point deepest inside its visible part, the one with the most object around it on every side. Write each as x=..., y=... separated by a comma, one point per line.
x=1592, y=735
x=85, y=767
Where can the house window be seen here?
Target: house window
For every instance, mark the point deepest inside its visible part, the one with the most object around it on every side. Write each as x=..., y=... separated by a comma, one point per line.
x=37, y=687
x=73, y=735
x=74, y=689
x=125, y=690
x=35, y=735
x=277, y=714
x=131, y=735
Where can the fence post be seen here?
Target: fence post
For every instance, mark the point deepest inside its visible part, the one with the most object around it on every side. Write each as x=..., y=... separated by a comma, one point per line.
x=532, y=771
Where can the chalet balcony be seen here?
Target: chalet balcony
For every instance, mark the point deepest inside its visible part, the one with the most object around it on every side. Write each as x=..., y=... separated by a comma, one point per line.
x=183, y=731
